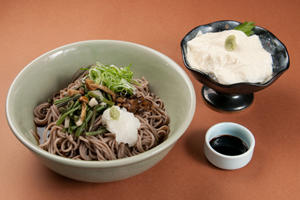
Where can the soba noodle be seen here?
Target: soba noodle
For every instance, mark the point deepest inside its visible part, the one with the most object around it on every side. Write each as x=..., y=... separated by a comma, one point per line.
x=154, y=129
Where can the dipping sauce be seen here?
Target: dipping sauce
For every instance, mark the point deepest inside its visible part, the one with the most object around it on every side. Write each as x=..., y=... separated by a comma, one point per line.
x=228, y=145
x=248, y=62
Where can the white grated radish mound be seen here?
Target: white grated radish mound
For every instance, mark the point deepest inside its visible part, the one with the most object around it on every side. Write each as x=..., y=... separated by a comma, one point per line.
x=125, y=128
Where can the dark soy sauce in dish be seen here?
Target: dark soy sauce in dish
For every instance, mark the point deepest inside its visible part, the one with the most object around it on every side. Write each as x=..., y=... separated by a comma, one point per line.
x=228, y=145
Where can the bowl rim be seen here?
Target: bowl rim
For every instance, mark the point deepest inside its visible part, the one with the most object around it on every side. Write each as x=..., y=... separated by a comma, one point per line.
x=235, y=84
x=111, y=163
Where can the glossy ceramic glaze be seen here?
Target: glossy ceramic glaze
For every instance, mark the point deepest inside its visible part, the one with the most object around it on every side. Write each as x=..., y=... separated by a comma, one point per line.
x=224, y=161
x=223, y=97
x=54, y=70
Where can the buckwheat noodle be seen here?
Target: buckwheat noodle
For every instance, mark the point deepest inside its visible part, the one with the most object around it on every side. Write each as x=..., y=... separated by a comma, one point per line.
x=154, y=129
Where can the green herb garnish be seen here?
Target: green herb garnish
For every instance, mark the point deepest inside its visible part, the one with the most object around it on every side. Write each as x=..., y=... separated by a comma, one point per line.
x=246, y=27
x=116, y=79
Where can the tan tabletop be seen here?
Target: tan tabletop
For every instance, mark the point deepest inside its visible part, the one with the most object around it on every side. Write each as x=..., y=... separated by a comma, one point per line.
x=30, y=28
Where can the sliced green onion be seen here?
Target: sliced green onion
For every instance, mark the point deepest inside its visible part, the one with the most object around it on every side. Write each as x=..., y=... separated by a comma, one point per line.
x=116, y=79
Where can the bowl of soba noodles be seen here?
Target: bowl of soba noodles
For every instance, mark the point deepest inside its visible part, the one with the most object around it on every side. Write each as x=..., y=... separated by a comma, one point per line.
x=100, y=110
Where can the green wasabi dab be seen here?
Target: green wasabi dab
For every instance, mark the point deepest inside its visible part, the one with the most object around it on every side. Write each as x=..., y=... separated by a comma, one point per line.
x=114, y=113
x=230, y=43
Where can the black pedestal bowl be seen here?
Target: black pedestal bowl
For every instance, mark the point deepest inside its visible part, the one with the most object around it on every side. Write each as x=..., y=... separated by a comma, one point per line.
x=236, y=97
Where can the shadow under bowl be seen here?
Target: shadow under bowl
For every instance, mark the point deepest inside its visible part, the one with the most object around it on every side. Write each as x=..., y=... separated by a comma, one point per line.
x=238, y=96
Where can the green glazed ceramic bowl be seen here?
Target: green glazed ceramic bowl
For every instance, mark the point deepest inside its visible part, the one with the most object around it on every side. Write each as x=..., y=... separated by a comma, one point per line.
x=54, y=70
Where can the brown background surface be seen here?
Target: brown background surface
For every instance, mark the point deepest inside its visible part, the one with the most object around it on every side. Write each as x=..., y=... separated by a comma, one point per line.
x=30, y=28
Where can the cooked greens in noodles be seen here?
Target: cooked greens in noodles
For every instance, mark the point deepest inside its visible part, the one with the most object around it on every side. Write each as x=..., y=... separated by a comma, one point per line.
x=104, y=114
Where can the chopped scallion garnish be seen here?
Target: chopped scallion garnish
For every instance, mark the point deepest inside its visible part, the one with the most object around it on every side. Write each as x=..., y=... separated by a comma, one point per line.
x=119, y=80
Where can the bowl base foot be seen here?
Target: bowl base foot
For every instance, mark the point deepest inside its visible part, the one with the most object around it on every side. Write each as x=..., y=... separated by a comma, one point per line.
x=226, y=102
